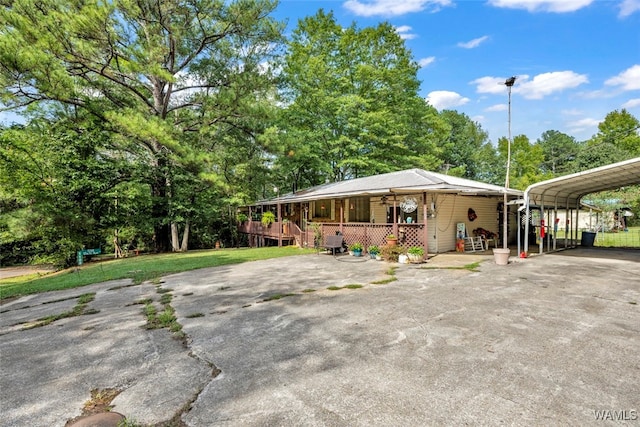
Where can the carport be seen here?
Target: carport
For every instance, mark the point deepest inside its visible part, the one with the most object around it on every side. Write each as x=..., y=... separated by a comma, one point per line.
x=566, y=192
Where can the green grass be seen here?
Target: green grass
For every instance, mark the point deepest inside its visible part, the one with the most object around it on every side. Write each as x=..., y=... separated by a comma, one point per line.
x=385, y=281
x=620, y=239
x=139, y=269
x=473, y=267
x=277, y=297
x=79, y=309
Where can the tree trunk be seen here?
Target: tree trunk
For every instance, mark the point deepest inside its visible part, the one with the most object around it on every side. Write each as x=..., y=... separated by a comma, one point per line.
x=175, y=237
x=185, y=238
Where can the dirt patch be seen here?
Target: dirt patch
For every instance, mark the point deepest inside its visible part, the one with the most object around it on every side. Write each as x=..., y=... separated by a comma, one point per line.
x=7, y=272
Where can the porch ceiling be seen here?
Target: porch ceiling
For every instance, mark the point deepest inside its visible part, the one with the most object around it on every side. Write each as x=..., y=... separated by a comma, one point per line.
x=568, y=190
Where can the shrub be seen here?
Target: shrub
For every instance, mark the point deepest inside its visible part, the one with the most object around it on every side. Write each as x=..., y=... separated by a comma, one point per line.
x=373, y=249
x=391, y=253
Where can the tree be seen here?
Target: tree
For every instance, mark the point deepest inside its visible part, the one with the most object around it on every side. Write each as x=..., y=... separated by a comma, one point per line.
x=463, y=145
x=526, y=159
x=351, y=104
x=62, y=186
x=618, y=139
x=159, y=74
x=621, y=129
x=559, y=150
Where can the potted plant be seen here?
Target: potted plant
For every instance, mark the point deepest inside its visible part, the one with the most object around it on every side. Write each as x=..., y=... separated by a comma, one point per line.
x=374, y=251
x=392, y=240
x=242, y=218
x=415, y=254
x=268, y=218
x=356, y=248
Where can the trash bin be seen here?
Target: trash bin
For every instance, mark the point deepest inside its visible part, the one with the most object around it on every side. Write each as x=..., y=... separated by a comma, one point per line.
x=588, y=238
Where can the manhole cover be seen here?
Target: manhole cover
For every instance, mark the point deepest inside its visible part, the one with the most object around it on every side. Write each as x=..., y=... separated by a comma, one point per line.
x=103, y=419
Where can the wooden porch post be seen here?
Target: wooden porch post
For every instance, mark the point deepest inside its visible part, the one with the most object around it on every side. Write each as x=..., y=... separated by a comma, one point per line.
x=341, y=216
x=250, y=228
x=425, y=217
x=394, y=220
x=279, y=226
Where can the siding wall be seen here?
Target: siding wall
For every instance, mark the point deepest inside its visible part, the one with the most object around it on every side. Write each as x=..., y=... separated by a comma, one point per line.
x=452, y=209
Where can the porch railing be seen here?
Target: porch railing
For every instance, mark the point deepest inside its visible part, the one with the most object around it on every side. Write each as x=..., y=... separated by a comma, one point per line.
x=365, y=233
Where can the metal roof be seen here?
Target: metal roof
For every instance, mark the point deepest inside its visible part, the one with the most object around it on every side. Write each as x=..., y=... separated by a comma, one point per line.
x=568, y=190
x=405, y=181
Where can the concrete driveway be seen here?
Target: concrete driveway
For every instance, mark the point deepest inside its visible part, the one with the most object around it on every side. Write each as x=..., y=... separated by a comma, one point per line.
x=544, y=341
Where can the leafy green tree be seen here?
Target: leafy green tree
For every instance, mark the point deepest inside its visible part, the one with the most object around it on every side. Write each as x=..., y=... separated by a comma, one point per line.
x=62, y=183
x=559, y=151
x=526, y=159
x=152, y=72
x=462, y=147
x=618, y=139
x=351, y=105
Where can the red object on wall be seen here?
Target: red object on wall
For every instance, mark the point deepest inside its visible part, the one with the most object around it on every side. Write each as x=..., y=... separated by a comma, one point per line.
x=542, y=231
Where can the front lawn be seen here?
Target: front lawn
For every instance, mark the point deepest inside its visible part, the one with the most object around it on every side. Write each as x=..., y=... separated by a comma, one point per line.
x=138, y=268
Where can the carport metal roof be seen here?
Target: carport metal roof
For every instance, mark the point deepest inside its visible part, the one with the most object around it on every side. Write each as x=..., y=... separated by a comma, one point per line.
x=568, y=190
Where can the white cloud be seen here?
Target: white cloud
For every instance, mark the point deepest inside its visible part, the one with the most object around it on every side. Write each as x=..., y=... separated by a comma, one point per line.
x=424, y=62
x=583, y=124
x=497, y=107
x=629, y=79
x=404, y=31
x=442, y=99
x=493, y=85
x=540, y=86
x=556, y=6
x=628, y=7
x=473, y=43
x=392, y=7
x=632, y=103
x=548, y=83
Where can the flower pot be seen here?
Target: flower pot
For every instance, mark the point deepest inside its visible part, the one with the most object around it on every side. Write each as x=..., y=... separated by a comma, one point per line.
x=357, y=252
x=373, y=256
x=378, y=257
x=414, y=258
x=402, y=259
x=501, y=256
x=392, y=242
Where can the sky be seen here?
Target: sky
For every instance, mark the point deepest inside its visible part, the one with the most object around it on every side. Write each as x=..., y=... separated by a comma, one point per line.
x=574, y=61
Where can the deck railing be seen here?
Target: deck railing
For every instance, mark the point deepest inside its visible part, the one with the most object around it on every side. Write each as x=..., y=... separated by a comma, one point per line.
x=365, y=233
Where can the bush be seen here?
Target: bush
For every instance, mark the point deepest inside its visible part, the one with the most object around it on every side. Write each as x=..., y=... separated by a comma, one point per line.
x=391, y=253
x=373, y=249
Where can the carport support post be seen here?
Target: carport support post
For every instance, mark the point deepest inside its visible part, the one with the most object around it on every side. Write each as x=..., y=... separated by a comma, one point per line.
x=543, y=220
x=425, y=217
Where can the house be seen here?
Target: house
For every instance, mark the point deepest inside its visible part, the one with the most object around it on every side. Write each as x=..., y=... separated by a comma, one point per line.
x=421, y=208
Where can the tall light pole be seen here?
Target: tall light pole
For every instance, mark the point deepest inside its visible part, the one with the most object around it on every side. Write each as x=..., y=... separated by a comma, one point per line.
x=505, y=210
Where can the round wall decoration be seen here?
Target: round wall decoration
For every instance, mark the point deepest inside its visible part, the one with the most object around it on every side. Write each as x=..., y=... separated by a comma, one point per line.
x=408, y=205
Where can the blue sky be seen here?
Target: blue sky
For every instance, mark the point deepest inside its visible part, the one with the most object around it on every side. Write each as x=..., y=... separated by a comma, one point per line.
x=575, y=60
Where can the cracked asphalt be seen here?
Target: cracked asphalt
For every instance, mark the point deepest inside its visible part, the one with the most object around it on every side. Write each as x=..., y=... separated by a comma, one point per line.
x=548, y=340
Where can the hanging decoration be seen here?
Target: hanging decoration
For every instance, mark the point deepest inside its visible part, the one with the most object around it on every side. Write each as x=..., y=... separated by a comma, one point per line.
x=408, y=205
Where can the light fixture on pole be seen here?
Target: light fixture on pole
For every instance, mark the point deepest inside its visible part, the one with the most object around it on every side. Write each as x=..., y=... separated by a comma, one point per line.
x=505, y=210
